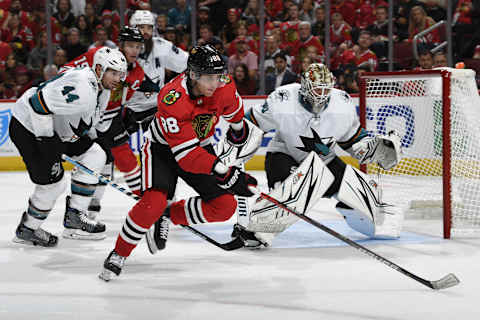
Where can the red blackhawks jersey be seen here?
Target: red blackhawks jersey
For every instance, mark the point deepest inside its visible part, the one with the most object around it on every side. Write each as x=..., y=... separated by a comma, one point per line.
x=187, y=123
x=134, y=78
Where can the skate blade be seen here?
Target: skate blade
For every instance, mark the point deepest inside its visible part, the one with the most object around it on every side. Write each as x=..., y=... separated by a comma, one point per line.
x=106, y=275
x=29, y=243
x=76, y=234
x=152, y=247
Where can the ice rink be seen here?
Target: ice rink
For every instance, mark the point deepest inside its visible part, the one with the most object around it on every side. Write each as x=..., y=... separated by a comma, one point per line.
x=306, y=274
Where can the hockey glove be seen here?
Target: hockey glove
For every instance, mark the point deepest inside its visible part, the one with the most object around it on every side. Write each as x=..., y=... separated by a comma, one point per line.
x=51, y=148
x=248, y=237
x=236, y=182
x=238, y=138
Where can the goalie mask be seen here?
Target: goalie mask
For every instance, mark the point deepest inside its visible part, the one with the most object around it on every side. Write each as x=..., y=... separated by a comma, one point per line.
x=316, y=84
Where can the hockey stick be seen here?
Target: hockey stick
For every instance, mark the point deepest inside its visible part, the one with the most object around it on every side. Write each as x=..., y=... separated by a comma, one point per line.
x=447, y=281
x=236, y=243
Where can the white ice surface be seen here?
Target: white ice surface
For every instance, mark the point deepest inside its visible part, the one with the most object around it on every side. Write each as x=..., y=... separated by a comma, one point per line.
x=192, y=279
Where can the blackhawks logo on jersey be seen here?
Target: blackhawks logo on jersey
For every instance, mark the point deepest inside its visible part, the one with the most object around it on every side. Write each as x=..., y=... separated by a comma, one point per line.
x=171, y=97
x=203, y=123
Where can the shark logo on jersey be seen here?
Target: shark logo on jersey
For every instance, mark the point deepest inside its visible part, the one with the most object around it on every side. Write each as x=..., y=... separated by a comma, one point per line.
x=321, y=146
x=203, y=123
x=5, y=117
x=82, y=128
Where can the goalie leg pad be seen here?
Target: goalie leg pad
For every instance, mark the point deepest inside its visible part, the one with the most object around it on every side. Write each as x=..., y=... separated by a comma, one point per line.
x=303, y=188
x=363, y=211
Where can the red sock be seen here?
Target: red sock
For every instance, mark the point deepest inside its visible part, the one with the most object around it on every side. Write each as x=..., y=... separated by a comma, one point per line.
x=140, y=218
x=194, y=210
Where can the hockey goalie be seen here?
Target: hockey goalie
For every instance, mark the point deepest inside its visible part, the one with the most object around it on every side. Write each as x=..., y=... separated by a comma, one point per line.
x=309, y=120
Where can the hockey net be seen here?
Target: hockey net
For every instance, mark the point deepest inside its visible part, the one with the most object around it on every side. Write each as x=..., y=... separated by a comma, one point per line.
x=437, y=113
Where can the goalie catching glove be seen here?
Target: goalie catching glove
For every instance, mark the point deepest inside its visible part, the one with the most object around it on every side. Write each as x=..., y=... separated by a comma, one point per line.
x=385, y=150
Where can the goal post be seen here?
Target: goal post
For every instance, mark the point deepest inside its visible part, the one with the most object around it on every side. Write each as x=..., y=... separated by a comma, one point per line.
x=436, y=112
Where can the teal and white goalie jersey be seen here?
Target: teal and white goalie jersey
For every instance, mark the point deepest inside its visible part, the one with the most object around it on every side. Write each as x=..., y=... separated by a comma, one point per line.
x=299, y=131
x=70, y=104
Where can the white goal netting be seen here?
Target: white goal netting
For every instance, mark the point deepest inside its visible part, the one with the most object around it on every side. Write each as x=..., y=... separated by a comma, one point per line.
x=413, y=104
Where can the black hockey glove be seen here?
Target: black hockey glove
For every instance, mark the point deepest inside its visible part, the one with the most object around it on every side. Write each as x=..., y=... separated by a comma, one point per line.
x=51, y=148
x=238, y=138
x=248, y=237
x=236, y=182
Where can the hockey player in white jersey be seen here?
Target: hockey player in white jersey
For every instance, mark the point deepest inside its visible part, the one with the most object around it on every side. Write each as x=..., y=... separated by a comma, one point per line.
x=54, y=119
x=158, y=55
x=314, y=117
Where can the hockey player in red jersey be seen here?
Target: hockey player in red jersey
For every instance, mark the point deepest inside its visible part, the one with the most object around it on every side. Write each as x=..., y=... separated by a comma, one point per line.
x=114, y=130
x=178, y=145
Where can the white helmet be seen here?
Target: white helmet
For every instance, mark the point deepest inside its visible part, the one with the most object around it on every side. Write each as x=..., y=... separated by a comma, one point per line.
x=316, y=84
x=109, y=58
x=140, y=17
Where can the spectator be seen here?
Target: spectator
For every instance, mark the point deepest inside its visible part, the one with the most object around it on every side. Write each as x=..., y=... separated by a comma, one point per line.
x=476, y=54
x=38, y=56
x=245, y=85
x=180, y=14
x=425, y=60
x=22, y=79
x=228, y=30
x=78, y=7
x=440, y=59
x=250, y=11
x=162, y=23
x=379, y=31
x=107, y=23
x=92, y=20
x=418, y=22
x=282, y=75
x=39, y=24
x=73, y=47
x=20, y=36
x=102, y=39
x=5, y=51
x=244, y=56
x=15, y=8
x=307, y=13
x=218, y=44
x=402, y=14
x=306, y=61
x=364, y=57
x=318, y=28
x=347, y=9
x=273, y=8
x=306, y=40
x=271, y=49
x=435, y=10
x=64, y=15
x=49, y=71
x=290, y=28
x=86, y=37
x=242, y=33
x=463, y=27
x=203, y=17
x=60, y=58
x=170, y=35
x=206, y=35
x=340, y=31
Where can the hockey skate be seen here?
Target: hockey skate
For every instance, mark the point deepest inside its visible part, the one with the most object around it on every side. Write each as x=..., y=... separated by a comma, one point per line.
x=112, y=266
x=157, y=235
x=93, y=209
x=80, y=227
x=29, y=236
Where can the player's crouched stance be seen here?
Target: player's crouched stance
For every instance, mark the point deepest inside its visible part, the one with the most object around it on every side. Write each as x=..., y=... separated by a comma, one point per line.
x=54, y=119
x=179, y=146
x=309, y=120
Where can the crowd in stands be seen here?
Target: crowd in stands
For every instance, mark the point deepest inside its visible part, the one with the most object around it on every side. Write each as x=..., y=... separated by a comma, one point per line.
x=294, y=36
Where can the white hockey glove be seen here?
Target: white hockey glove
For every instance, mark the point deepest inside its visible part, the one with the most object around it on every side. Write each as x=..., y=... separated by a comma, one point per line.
x=386, y=150
x=234, y=150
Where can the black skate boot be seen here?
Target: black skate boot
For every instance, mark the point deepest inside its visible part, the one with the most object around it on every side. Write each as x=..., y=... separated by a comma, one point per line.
x=112, y=266
x=79, y=226
x=157, y=235
x=38, y=237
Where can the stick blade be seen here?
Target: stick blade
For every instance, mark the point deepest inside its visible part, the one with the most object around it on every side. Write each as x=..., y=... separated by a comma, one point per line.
x=448, y=281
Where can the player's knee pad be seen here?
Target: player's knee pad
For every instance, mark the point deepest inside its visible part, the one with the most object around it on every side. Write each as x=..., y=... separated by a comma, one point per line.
x=124, y=158
x=220, y=209
x=45, y=196
x=94, y=158
x=150, y=207
x=362, y=209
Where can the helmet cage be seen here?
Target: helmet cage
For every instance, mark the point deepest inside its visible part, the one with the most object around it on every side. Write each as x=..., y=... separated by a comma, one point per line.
x=316, y=84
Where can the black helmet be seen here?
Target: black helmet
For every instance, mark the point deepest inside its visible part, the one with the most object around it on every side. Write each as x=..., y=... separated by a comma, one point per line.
x=205, y=60
x=130, y=34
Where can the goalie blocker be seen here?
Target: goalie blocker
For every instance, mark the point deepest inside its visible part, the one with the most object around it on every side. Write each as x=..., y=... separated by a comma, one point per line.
x=312, y=180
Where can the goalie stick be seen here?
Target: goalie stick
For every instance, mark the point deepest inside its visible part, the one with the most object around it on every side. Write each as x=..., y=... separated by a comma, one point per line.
x=234, y=244
x=447, y=281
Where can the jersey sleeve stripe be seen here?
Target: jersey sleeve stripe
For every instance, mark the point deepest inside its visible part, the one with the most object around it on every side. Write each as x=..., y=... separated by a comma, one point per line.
x=190, y=144
x=231, y=115
x=250, y=116
x=157, y=135
x=180, y=154
x=359, y=135
x=38, y=103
